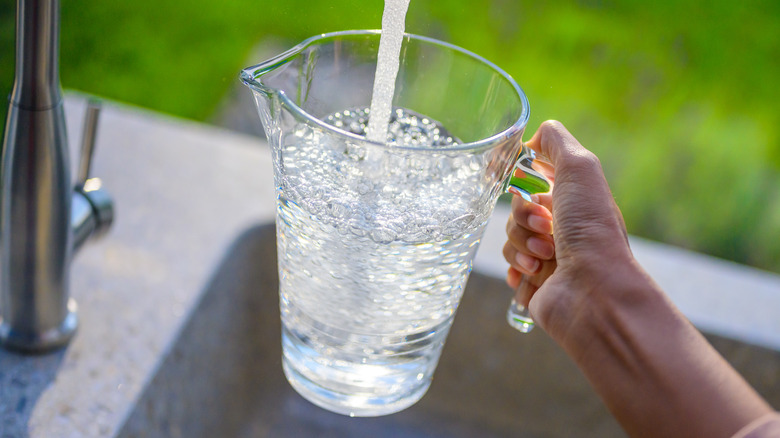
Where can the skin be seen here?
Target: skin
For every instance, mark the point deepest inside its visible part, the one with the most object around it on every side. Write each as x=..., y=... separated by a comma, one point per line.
x=655, y=372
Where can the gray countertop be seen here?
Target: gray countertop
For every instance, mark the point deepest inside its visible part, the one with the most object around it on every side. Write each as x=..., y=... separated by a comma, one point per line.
x=183, y=193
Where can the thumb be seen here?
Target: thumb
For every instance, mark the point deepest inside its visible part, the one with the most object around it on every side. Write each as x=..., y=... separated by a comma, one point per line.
x=577, y=170
x=582, y=200
x=556, y=144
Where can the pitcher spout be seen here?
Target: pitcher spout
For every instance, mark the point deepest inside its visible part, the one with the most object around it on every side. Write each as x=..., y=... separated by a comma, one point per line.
x=273, y=80
x=252, y=76
x=259, y=77
x=267, y=94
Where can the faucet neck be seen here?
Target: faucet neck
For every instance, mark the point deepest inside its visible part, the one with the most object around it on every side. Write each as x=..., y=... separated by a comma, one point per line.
x=37, y=82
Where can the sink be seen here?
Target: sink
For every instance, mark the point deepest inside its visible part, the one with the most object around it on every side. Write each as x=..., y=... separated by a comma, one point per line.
x=180, y=336
x=223, y=375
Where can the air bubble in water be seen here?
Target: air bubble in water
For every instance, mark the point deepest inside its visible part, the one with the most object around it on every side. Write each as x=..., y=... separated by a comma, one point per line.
x=364, y=186
x=337, y=209
x=459, y=224
x=355, y=151
x=382, y=235
x=406, y=128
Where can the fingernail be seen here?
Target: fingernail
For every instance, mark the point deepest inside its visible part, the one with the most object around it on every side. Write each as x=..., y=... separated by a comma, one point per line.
x=530, y=264
x=513, y=278
x=540, y=224
x=542, y=248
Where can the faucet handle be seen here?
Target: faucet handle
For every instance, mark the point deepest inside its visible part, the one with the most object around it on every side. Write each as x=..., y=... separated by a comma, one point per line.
x=92, y=208
x=88, y=141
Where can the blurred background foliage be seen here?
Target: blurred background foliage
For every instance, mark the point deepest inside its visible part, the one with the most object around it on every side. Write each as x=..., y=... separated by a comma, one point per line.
x=679, y=98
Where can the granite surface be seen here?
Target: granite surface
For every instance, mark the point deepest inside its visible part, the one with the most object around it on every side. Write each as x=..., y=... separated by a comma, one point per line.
x=182, y=193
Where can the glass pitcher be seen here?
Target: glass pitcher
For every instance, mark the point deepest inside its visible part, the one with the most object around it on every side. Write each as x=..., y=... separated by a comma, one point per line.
x=376, y=240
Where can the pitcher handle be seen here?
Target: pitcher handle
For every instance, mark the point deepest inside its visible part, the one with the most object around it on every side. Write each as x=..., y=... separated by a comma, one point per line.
x=524, y=181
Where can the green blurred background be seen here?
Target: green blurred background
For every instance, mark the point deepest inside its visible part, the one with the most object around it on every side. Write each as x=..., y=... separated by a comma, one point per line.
x=679, y=98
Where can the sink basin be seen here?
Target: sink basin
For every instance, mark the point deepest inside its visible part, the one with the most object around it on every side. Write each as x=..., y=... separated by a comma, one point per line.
x=223, y=376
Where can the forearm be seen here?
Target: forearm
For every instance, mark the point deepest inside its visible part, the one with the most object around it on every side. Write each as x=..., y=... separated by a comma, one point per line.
x=654, y=370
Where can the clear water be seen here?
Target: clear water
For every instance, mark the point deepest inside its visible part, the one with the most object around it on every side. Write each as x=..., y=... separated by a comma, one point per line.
x=388, y=61
x=404, y=127
x=375, y=250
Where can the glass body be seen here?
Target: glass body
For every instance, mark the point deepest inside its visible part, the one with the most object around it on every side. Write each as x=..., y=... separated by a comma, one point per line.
x=376, y=241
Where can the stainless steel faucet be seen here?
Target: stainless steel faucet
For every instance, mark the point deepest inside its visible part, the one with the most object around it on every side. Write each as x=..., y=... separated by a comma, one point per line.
x=43, y=218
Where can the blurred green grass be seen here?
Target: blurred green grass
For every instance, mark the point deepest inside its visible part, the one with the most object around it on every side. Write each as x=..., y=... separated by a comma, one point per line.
x=678, y=98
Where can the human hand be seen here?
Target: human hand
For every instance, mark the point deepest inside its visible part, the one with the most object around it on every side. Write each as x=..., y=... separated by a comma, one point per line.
x=586, y=290
x=553, y=274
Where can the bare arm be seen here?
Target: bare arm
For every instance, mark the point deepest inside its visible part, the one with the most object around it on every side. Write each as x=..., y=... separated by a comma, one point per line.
x=655, y=372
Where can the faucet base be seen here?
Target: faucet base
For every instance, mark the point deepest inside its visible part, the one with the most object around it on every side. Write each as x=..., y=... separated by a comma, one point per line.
x=40, y=342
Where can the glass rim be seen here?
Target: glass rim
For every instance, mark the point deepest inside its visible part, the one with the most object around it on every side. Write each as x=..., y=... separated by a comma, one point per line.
x=249, y=76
